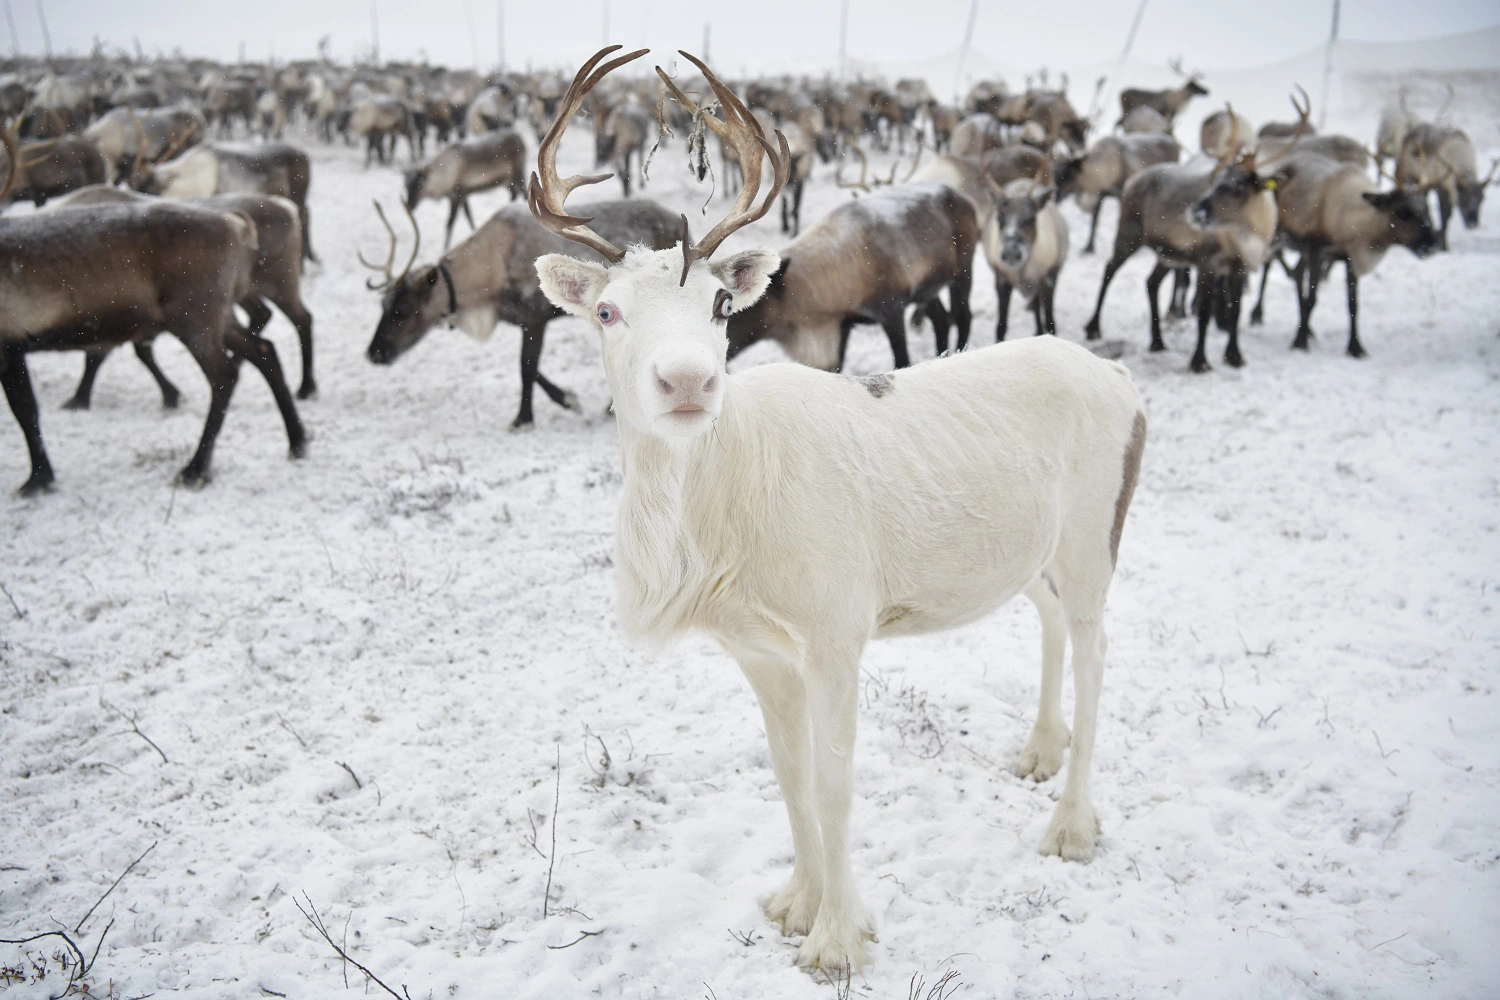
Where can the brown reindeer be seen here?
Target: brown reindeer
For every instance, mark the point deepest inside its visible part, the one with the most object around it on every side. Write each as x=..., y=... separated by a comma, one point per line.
x=120, y=273
x=1168, y=103
x=275, y=278
x=480, y=163
x=491, y=278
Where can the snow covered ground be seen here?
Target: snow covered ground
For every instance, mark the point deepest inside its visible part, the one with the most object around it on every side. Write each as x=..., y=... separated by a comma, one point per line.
x=362, y=669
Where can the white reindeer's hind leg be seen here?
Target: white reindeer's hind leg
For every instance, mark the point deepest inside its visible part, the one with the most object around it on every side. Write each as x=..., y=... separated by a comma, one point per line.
x=783, y=704
x=838, y=936
x=1042, y=757
x=1075, y=826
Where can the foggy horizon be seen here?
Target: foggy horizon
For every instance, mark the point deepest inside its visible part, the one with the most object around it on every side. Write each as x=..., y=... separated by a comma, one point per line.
x=466, y=33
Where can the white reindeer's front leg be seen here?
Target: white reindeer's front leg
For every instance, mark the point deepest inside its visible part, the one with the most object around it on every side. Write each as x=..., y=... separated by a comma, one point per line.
x=783, y=704
x=838, y=936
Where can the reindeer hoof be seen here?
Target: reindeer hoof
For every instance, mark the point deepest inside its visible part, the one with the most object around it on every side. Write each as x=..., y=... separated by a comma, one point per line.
x=1073, y=831
x=1356, y=351
x=193, y=478
x=40, y=482
x=569, y=401
x=519, y=426
x=795, y=908
x=1234, y=359
x=1200, y=365
x=307, y=391
x=76, y=403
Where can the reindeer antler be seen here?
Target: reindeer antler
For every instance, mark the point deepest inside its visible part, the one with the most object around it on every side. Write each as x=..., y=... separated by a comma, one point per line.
x=549, y=192
x=864, y=169
x=12, y=156
x=741, y=131
x=390, y=257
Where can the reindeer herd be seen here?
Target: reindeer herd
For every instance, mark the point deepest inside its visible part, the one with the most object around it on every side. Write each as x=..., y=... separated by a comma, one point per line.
x=122, y=140
x=788, y=511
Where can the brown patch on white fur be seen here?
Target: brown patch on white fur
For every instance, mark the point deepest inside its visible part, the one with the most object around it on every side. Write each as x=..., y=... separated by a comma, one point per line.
x=1131, y=475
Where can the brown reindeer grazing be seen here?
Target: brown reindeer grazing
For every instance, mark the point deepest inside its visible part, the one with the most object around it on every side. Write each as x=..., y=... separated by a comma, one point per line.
x=275, y=278
x=491, y=278
x=1224, y=245
x=1167, y=103
x=480, y=163
x=120, y=273
x=1104, y=170
x=1441, y=158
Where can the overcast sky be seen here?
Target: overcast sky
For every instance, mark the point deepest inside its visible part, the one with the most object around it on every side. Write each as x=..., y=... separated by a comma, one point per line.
x=764, y=34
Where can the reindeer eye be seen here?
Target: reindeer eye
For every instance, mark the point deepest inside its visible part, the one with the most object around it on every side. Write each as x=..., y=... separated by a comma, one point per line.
x=607, y=313
x=723, y=305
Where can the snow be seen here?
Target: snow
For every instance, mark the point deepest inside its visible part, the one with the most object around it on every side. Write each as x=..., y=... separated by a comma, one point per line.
x=1299, y=745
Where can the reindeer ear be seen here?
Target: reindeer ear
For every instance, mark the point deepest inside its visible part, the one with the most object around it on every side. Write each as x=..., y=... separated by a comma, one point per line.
x=746, y=274
x=1043, y=196
x=572, y=285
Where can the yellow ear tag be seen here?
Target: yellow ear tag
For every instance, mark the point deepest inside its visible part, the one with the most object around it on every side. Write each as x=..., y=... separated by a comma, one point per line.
x=1269, y=184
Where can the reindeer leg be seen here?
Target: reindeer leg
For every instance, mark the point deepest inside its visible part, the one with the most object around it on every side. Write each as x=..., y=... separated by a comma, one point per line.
x=170, y=397
x=1153, y=288
x=1234, y=289
x=83, y=395
x=1356, y=349
x=1445, y=212
x=797, y=207
x=1048, y=292
x=262, y=354
x=1093, y=224
x=1312, y=269
x=532, y=335
x=17, y=383
x=934, y=311
x=1091, y=329
x=1177, y=308
x=469, y=213
x=780, y=690
x=453, y=202
x=958, y=304
x=838, y=934
x=1257, y=314
x=1204, y=296
x=893, y=320
x=294, y=310
x=846, y=327
x=1002, y=307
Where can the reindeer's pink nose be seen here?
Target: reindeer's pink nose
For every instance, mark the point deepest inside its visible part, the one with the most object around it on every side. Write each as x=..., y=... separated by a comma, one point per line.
x=686, y=385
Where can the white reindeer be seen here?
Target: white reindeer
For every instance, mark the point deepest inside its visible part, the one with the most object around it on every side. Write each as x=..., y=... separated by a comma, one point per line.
x=795, y=514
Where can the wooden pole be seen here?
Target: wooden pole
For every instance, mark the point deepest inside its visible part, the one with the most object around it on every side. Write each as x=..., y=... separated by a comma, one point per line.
x=15, y=39
x=604, y=4
x=844, y=41
x=41, y=15
x=1333, y=36
x=963, y=52
x=1135, y=26
x=374, y=33
x=707, y=31
x=500, y=30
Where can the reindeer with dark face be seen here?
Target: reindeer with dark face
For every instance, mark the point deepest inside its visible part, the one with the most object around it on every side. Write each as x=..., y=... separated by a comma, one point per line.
x=1330, y=212
x=1026, y=242
x=486, y=161
x=1218, y=218
x=490, y=278
x=121, y=273
x=1441, y=158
